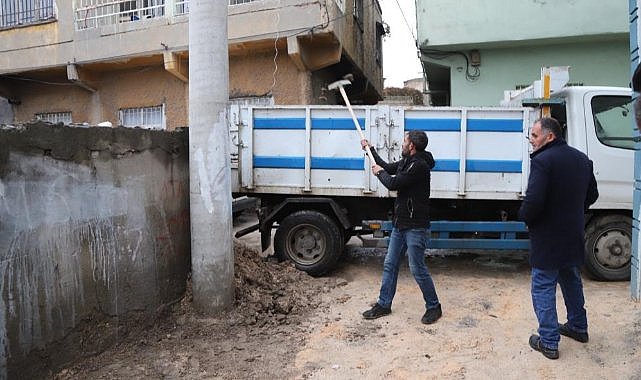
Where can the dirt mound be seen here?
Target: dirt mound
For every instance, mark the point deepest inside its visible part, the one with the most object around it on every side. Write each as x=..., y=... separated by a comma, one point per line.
x=271, y=298
x=268, y=292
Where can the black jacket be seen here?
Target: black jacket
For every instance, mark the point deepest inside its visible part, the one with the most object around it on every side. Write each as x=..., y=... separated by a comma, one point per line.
x=410, y=178
x=560, y=189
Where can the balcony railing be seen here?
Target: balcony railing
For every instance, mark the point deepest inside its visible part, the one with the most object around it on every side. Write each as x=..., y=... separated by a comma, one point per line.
x=23, y=12
x=96, y=13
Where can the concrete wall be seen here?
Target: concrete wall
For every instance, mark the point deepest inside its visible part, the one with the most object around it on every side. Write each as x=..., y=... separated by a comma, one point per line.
x=133, y=87
x=92, y=221
x=515, y=39
x=592, y=63
x=6, y=112
x=123, y=62
x=472, y=22
x=258, y=75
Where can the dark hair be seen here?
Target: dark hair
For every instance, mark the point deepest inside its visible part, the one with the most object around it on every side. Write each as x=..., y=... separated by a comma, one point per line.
x=419, y=139
x=550, y=124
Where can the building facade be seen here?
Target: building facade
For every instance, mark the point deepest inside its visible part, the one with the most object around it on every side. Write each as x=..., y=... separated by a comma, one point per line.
x=127, y=61
x=474, y=50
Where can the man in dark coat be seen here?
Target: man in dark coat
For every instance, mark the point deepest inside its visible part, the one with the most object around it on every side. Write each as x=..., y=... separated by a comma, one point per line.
x=560, y=189
x=410, y=177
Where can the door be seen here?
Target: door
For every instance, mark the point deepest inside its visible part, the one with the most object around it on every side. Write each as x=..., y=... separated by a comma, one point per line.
x=610, y=144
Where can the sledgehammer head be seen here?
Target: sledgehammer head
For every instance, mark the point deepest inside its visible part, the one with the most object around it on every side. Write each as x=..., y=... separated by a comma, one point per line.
x=338, y=83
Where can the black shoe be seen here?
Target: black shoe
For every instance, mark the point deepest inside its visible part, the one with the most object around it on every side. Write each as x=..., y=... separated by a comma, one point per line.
x=432, y=315
x=535, y=343
x=377, y=311
x=578, y=336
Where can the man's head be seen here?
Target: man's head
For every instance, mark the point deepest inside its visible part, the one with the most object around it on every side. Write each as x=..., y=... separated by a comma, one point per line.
x=543, y=131
x=415, y=141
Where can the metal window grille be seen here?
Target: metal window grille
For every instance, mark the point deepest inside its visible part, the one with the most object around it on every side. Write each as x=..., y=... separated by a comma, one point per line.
x=236, y=2
x=143, y=117
x=252, y=101
x=23, y=12
x=95, y=13
x=182, y=7
x=55, y=117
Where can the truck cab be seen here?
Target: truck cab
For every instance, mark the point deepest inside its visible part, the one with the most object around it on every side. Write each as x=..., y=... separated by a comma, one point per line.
x=597, y=121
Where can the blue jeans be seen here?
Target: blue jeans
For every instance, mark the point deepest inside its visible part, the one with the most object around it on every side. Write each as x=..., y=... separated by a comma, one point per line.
x=414, y=242
x=544, y=302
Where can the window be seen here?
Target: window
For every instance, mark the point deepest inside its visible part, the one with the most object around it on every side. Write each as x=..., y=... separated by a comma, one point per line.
x=236, y=2
x=133, y=10
x=358, y=13
x=96, y=13
x=23, y=12
x=252, y=101
x=143, y=117
x=55, y=117
x=182, y=7
x=380, y=33
x=613, y=120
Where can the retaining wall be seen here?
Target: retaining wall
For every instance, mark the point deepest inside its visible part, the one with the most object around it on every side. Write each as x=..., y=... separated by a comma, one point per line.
x=92, y=220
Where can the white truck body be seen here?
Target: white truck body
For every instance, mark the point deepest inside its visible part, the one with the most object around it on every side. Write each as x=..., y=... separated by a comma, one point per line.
x=481, y=153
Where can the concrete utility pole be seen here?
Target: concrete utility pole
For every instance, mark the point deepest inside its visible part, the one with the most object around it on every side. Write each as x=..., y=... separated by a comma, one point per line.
x=212, y=259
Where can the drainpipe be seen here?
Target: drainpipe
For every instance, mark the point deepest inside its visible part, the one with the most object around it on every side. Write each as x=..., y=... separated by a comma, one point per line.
x=209, y=164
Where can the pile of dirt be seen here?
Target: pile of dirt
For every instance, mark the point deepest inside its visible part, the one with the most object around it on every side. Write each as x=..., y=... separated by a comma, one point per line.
x=268, y=292
x=271, y=298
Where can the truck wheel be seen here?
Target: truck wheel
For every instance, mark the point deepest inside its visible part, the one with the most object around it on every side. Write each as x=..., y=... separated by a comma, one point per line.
x=311, y=240
x=608, y=248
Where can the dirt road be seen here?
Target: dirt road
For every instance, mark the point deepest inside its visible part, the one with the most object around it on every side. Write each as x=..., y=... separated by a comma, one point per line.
x=288, y=325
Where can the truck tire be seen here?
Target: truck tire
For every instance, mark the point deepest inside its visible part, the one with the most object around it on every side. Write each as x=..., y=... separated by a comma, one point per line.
x=310, y=239
x=608, y=247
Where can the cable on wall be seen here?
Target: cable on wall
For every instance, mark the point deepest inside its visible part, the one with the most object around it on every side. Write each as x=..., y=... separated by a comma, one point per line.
x=472, y=73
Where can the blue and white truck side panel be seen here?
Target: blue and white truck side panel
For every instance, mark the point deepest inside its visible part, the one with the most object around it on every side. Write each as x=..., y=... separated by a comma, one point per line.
x=480, y=153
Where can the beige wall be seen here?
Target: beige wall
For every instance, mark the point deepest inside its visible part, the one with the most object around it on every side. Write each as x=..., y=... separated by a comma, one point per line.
x=140, y=87
x=152, y=85
x=254, y=76
x=123, y=62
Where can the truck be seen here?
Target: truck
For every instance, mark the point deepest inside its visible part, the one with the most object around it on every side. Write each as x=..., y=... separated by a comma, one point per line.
x=316, y=188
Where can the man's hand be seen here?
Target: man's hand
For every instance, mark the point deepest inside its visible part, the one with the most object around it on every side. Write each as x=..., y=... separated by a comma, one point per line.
x=375, y=168
x=364, y=144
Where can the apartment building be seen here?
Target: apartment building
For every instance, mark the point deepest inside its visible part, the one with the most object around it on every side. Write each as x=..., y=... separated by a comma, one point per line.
x=127, y=61
x=474, y=50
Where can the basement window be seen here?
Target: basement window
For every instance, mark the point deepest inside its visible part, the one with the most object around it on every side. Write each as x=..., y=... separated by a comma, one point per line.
x=143, y=117
x=252, y=101
x=14, y=13
x=55, y=117
x=236, y=2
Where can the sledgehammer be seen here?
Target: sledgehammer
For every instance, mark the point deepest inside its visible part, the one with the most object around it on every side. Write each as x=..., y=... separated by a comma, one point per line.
x=339, y=84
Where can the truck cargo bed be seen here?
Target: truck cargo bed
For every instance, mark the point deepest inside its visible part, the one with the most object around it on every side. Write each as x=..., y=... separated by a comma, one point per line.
x=480, y=153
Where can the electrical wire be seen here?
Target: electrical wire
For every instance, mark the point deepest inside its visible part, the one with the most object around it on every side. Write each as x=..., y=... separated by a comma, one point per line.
x=472, y=73
x=37, y=80
x=276, y=49
x=407, y=23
